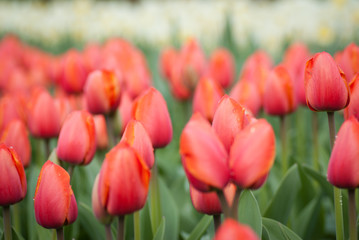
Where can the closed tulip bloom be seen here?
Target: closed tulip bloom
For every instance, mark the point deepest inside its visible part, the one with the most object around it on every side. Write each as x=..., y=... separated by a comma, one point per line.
x=343, y=163
x=279, y=96
x=228, y=120
x=167, y=60
x=11, y=108
x=77, y=140
x=43, y=118
x=101, y=131
x=17, y=136
x=353, y=108
x=151, y=110
x=326, y=88
x=246, y=93
x=102, y=92
x=124, y=181
x=54, y=201
x=221, y=67
x=137, y=137
x=231, y=229
x=206, y=97
x=99, y=211
x=204, y=158
x=13, y=184
x=124, y=112
x=349, y=61
x=252, y=154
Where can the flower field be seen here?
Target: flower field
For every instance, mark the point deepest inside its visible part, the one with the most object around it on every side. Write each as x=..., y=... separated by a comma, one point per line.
x=179, y=120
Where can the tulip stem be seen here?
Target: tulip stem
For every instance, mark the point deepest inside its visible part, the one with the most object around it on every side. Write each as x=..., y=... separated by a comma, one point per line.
x=283, y=138
x=216, y=221
x=224, y=204
x=315, y=140
x=47, y=148
x=16, y=216
x=234, y=207
x=339, y=225
x=137, y=225
x=108, y=232
x=121, y=228
x=7, y=222
x=110, y=131
x=155, y=201
x=60, y=233
x=352, y=215
x=70, y=170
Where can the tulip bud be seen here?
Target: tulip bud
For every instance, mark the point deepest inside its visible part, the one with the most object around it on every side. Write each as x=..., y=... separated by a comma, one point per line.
x=349, y=61
x=54, y=201
x=124, y=180
x=206, y=97
x=137, y=137
x=343, y=162
x=167, y=60
x=252, y=154
x=17, y=136
x=77, y=140
x=246, y=93
x=231, y=229
x=10, y=109
x=151, y=110
x=221, y=67
x=102, y=92
x=279, y=96
x=97, y=208
x=203, y=155
x=228, y=120
x=101, y=131
x=44, y=117
x=326, y=88
x=353, y=108
x=13, y=184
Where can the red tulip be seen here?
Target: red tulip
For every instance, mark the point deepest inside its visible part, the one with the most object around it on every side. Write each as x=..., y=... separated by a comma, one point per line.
x=343, y=163
x=246, y=93
x=77, y=140
x=353, y=108
x=167, y=60
x=349, y=61
x=222, y=67
x=101, y=131
x=206, y=97
x=325, y=86
x=10, y=109
x=231, y=229
x=12, y=177
x=228, y=120
x=137, y=137
x=124, y=180
x=279, y=96
x=16, y=135
x=99, y=211
x=124, y=112
x=54, y=201
x=44, y=117
x=102, y=92
x=64, y=106
x=252, y=154
x=151, y=110
x=204, y=158
x=294, y=60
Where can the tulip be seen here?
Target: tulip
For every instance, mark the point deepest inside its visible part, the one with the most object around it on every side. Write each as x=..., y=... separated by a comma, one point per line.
x=101, y=131
x=151, y=110
x=228, y=120
x=54, y=201
x=102, y=92
x=279, y=96
x=203, y=155
x=124, y=180
x=10, y=109
x=349, y=61
x=64, y=106
x=353, y=108
x=77, y=140
x=12, y=177
x=326, y=88
x=231, y=229
x=294, y=60
x=246, y=93
x=41, y=105
x=167, y=60
x=222, y=66
x=98, y=209
x=206, y=97
x=252, y=154
x=17, y=136
x=123, y=113
x=137, y=137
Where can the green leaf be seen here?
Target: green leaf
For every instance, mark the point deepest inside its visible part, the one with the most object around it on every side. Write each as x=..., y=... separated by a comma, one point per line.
x=277, y=231
x=15, y=234
x=160, y=230
x=86, y=218
x=146, y=230
x=200, y=228
x=321, y=179
x=249, y=213
x=283, y=201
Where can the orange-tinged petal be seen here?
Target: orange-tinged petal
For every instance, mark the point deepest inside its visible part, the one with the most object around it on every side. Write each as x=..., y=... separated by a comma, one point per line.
x=353, y=108
x=231, y=229
x=98, y=209
x=246, y=93
x=205, y=202
x=222, y=66
x=252, y=154
x=101, y=131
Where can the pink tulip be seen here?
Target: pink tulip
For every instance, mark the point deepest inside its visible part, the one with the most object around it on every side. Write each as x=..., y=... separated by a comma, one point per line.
x=231, y=229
